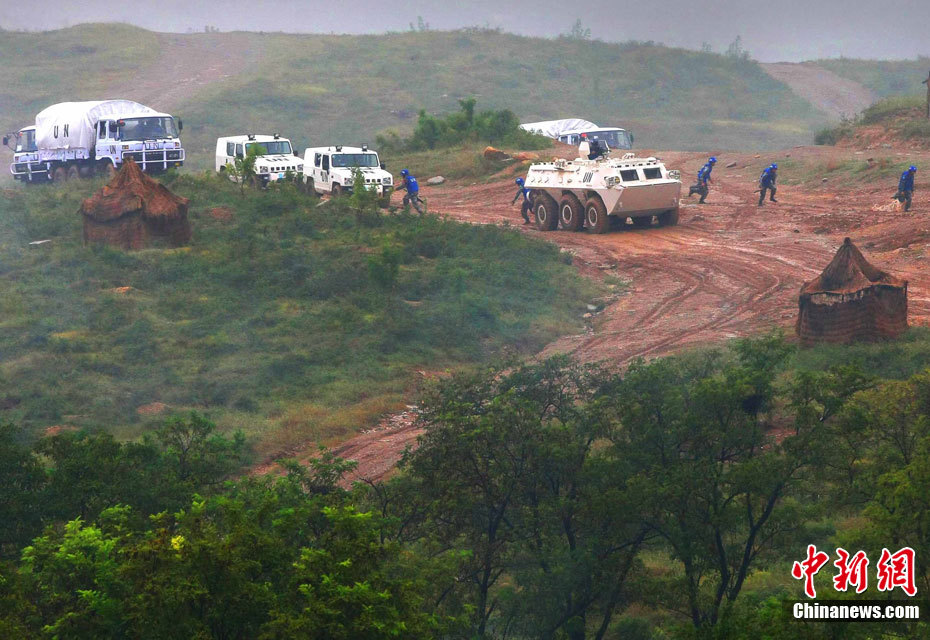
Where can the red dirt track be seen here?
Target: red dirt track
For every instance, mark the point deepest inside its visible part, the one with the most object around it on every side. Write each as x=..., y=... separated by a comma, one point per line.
x=728, y=269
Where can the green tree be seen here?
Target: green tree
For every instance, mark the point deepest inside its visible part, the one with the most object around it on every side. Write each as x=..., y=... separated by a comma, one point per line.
x=718, y=490
x=22, y=497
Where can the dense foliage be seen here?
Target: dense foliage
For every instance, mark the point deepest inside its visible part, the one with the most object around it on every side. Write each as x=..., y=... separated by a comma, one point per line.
x=499, y=127
x=551, y=500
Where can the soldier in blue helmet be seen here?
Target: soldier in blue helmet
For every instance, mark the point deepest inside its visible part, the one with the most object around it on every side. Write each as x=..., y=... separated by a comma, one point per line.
x=906, y=187
x=527, y=205
x=703, y=177
x=409, y=183
x=767, y=183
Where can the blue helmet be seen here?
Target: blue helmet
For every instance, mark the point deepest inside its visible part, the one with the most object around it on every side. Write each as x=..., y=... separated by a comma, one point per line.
x=404, y=172
x=519, y=181
x=712, y=160
x=774, y=166
x=913, y=169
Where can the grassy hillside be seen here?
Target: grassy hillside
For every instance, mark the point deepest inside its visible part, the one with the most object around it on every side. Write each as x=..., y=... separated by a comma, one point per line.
x=884, y=77
x=79, y=63
x=290, y=321
x=325, y=88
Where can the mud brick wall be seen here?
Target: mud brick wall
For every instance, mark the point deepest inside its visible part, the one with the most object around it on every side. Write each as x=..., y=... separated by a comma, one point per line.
x=874, y=313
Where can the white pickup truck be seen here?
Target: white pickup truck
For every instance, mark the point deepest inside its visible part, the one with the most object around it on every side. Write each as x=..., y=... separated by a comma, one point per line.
x=275, y=161
x=330, y=170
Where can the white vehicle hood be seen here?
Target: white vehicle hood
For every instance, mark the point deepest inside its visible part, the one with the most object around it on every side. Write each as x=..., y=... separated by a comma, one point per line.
x=368, y=172
x=278, y=160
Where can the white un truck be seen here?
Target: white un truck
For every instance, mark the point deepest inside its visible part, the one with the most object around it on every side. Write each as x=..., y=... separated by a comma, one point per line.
x=74, y=139
x=331, y=170
x=275, y=159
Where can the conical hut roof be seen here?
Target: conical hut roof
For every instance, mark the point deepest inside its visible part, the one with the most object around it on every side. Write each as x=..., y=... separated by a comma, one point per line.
x=849, y=271
x=131, y=191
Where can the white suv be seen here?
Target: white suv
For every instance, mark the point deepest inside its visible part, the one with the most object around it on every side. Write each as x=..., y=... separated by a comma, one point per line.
x=276, y=156
x=329, y=170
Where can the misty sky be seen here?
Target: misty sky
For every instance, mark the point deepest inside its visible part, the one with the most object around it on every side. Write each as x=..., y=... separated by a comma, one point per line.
x=789, y=30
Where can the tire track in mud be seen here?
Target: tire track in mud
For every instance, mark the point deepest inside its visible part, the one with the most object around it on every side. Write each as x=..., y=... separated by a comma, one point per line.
x=729, y=269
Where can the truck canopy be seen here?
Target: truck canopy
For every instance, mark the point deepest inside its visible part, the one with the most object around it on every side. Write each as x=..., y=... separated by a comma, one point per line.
x=556, y=128
x=70, y=125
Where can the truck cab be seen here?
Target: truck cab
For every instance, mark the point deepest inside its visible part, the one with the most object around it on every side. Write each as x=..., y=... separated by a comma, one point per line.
x=275, y=159
x=152, y=140
x=330, y=170
x=25, y=165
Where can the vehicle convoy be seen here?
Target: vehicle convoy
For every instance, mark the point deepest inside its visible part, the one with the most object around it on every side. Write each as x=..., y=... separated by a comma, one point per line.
x=596, y=189
x=275, y=158
x=572, y=130
x=72, y=139
x=331, y=170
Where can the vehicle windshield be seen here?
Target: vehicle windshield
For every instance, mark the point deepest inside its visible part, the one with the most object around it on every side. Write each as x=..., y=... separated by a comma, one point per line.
x=355, y=160
x=26, y=141
x=147, y=128
x=270, y=148
x=616, y=138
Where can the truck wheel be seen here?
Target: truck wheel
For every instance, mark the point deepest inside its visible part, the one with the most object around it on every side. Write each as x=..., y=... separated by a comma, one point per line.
x=86, y=171
x=545, y=208
x=337, y=190
x=73, y=173
x=105, y=168
x=595, y=214
x=642, y=221
x=669, y=218
x=571, y=213
x=60, y=174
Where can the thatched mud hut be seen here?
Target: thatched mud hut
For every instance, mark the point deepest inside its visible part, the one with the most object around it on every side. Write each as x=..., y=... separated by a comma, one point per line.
x=132, y=209
x=852, y=301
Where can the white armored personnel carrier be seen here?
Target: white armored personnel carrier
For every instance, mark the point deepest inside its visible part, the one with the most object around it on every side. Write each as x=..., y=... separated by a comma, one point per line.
x=595, y=189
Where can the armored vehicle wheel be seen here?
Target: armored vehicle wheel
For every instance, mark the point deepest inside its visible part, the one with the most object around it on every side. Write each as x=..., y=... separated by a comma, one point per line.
x=60, y=174
x=73, y=173
x=545, y=208
x=337, y=190
x=595, y=214
x=571, y=213
x=669, y=218
x=642, y=221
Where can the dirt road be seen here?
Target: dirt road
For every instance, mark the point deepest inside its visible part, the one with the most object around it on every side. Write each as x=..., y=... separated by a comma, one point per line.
x=729, y=269
x=834, y=95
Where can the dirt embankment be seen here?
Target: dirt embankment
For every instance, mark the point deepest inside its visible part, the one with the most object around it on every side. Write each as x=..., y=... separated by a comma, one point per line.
x=834, y=95
x=729, y=269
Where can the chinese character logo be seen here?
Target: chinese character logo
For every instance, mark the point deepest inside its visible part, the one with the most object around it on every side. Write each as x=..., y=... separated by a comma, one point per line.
x=809, y=568
x=897, y=570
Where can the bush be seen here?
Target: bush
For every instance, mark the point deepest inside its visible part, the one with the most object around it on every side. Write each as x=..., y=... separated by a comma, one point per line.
x=492, y=127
